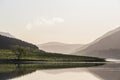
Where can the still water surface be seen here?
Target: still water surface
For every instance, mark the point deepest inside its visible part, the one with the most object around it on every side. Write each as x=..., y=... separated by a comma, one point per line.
x=61, y=71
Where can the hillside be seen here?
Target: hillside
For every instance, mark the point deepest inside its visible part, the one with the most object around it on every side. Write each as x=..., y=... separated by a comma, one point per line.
x=107, y=46
x=57, y=47
x=7, y=43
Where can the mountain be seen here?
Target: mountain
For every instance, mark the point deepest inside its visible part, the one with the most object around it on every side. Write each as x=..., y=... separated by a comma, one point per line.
x=107, y=46
x=8, y=43
x=6, y=34
x=57, y=47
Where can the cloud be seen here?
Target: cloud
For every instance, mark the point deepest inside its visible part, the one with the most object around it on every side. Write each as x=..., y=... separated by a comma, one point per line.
x=47, y=21
x=44, y=22
x=58, y=20
x=28, y=26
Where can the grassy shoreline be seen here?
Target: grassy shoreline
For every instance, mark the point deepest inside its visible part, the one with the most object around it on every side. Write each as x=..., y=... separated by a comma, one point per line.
x=7, y=56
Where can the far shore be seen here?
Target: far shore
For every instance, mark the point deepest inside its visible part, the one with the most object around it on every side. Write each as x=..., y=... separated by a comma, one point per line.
x=28, y=61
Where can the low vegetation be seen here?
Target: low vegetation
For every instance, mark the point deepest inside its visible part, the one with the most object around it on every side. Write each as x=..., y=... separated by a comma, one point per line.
x=20, y=53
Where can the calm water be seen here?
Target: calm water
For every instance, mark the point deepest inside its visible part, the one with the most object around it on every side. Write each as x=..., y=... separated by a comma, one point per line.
x=61, y=71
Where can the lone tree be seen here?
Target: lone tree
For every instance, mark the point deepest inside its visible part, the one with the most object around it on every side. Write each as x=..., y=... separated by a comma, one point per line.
x=20, y=51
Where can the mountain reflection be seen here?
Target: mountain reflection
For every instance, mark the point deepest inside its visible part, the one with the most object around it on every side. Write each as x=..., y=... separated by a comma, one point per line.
x=9, y=71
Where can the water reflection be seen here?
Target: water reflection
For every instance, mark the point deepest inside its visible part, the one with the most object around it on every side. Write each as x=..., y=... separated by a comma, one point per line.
x=71, y=75
x=9, y=71
x=109, y=71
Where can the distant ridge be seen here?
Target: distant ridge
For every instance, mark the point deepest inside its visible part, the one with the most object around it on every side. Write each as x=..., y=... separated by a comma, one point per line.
x=6, y=34
x=107, y=46
x=58, y=47
x=8, y=43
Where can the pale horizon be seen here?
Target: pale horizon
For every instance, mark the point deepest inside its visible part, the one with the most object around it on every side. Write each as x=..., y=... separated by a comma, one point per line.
x=66, y=21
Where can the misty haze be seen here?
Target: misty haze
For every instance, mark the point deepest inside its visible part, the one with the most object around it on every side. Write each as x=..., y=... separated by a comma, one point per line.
x=59, y=39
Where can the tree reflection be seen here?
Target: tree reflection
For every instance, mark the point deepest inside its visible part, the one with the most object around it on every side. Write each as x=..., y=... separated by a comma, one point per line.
x=8, y=71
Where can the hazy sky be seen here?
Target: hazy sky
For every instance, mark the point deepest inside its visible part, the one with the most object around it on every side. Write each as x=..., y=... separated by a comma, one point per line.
x=69, y=21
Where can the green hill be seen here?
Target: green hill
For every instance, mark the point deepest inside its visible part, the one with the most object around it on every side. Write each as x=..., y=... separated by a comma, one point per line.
x=8, y=43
